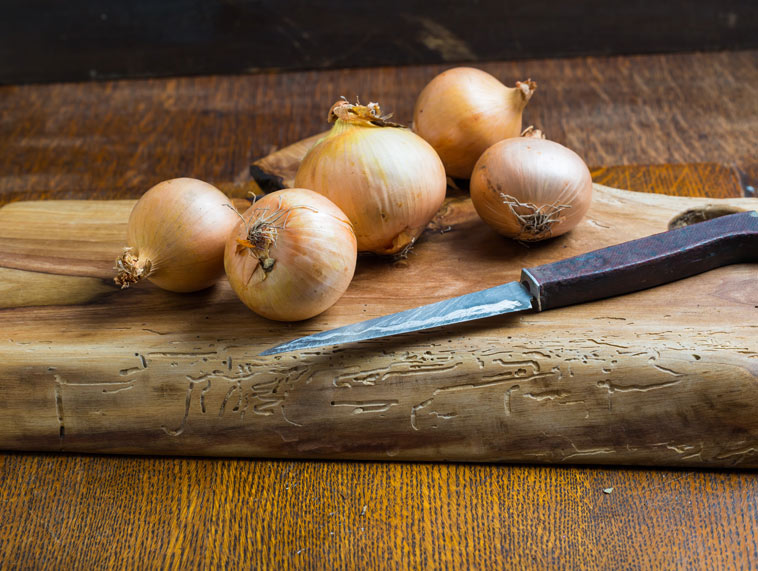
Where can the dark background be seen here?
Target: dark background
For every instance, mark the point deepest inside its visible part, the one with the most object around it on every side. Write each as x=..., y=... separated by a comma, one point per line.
x=53, y=40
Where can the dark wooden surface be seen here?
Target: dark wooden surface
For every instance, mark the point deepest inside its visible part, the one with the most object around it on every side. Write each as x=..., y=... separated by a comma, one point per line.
x=118, y=138
x=47, y=40
x=626, y=115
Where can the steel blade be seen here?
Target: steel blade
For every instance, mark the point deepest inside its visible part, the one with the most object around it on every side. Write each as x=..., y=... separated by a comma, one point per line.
x=497, y=300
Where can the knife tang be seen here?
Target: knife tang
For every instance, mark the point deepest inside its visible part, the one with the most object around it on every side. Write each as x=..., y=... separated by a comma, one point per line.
x=644, y=263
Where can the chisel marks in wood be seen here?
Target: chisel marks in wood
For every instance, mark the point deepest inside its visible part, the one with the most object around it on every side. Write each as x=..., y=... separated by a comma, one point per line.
x=408, y=364
x=587, y=452
x=130, y=371
x=360, y=407
x=667, y=370
x=286, y=419
x=546, y=395
x=188, y=400
x=235, y=388
x=740, y=454
x=507, y=399
x=687, y=451
x=507, y=371
x=415, y=409
x=249, y=387
x=607, y=343
x=202, y=395
x=128, y=387
x=615, y=387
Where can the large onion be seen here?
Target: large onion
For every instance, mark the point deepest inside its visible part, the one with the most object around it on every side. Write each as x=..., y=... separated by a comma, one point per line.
x=176, y=236
x=463, y=111
x=291, y=256
x=386, y=179
x=531, y=189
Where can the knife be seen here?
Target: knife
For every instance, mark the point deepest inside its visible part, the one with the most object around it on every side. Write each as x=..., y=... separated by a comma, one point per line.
x=615, y=270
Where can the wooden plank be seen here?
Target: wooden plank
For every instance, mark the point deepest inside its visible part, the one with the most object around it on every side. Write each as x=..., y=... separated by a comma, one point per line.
x=115, y=139
x=645, y=110
x=146, y=371
x=95, y=511
x=46, y=41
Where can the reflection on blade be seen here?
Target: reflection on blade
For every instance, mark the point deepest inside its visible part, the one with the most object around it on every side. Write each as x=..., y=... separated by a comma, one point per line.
x=500, y=299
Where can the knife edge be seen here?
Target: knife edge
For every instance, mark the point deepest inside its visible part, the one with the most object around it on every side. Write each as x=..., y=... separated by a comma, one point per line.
x=497, y=300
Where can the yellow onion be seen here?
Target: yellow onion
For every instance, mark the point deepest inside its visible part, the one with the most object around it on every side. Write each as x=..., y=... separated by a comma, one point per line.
x=531, y=189
x=291, y=256
x=176, y=236
x=386, y=179
x=464, y=110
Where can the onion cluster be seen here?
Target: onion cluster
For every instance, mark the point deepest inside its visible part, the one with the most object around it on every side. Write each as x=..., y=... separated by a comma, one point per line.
x=367, y=185
x=525, y=187
x=290, y=256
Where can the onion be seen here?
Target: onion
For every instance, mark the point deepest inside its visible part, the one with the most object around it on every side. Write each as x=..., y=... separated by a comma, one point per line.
x=531, y=189
x=387, y=179
x=291, y=256
x=176, y=236
x=463, y=111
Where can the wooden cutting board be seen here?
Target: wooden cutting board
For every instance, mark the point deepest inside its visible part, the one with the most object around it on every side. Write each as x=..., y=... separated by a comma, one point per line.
x=662, y=377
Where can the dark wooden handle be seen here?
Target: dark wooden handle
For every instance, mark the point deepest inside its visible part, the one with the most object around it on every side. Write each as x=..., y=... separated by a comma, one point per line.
x=644, y=263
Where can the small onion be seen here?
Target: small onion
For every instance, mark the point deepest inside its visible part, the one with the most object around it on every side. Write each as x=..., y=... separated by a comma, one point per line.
x=463, y=111
x=291, y=256
x=531, y=189
x=387, y=179
x=176, y=236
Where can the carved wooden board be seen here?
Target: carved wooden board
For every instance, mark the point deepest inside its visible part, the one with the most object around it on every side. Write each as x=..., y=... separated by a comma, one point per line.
x=661, y=377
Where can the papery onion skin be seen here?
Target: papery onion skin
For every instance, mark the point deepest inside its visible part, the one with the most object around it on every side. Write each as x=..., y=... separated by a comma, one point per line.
x=463, y=111
x=298, y=260
x=176, y=236
x=386, y=179
x=531, y=189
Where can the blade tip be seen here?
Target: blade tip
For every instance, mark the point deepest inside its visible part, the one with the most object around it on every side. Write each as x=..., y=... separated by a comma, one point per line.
x=271, y=351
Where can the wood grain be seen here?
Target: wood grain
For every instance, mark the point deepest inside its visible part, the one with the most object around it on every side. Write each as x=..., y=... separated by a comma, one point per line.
x=94, y=511
x=114, y=140
x=117, y=139
x=618, y=381
x=68, y=511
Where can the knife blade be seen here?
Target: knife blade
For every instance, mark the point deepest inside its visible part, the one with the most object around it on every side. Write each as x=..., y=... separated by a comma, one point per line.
x=615, y=270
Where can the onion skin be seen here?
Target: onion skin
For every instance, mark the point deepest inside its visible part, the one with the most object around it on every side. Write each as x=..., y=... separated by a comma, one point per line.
x=302, y=258
x=386, y=179
x=531, y=189
x=464, y=110
x=176, y=236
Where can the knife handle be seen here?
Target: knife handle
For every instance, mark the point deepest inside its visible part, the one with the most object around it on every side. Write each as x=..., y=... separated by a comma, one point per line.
x=644, y=263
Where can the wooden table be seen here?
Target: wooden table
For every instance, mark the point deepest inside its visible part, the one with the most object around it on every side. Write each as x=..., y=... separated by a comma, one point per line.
x=698, y=113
